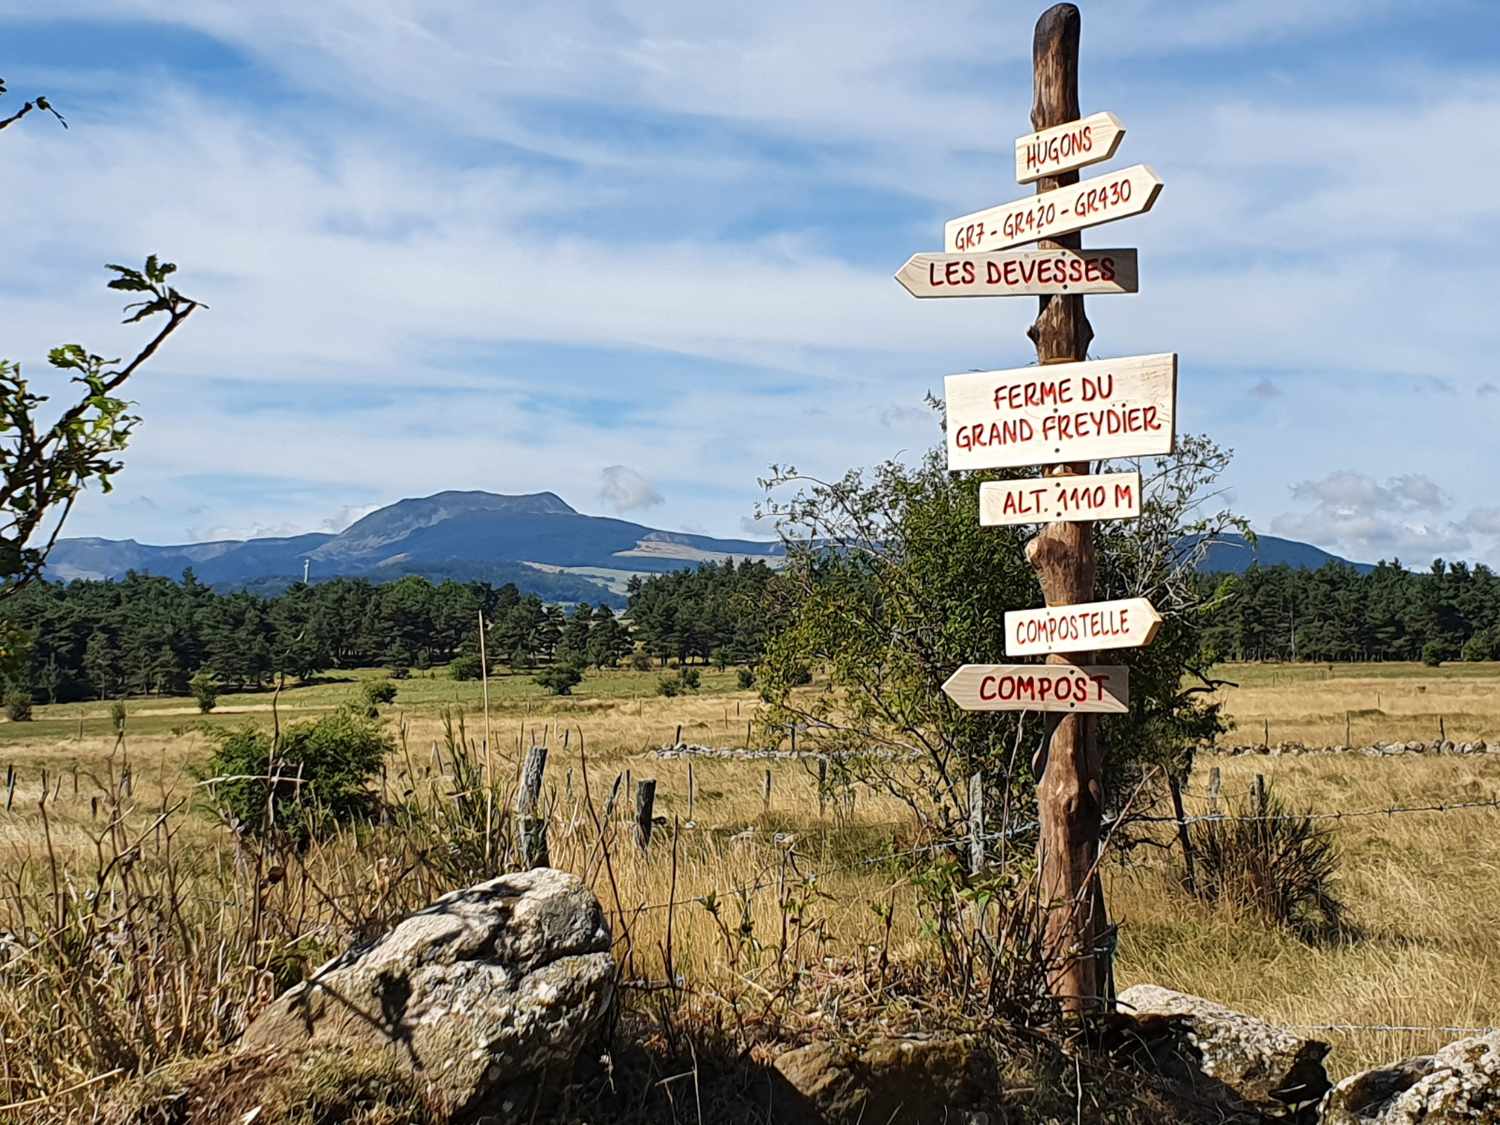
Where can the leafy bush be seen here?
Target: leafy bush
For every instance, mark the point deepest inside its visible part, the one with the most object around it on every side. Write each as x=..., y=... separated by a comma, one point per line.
x=641, y=660
x=1481, y=646
x=205, y=689
x=1433, y=654
x=18, y=705
x=317, y=777
x=719, y=657
x=746, y=679
x=401, y=672
x=466, y=666
x=668, y=686
x=691, y=678
x=377, y=692
x=1282, y=865
x=560, y=678
x=117, y=715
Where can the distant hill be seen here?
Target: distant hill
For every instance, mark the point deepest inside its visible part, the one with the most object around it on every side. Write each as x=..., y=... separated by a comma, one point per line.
x=1233, y=554
x=536, y=540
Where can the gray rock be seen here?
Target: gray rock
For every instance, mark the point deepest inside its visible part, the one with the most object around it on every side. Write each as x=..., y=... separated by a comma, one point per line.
x=1229, y=1053
x=478, y=994
x=1458, y=1085
x=911, y=1079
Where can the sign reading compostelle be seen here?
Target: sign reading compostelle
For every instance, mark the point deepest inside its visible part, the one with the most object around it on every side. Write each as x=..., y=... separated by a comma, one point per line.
x=1062, y=412
x=1128, y=623
x=1040, y=687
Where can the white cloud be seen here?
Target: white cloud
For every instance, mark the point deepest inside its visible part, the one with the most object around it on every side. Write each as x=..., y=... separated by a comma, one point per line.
x=1370, y=520
x=625, y=490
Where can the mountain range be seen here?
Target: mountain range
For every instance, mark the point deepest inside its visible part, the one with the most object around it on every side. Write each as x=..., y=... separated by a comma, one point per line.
x=536, y=540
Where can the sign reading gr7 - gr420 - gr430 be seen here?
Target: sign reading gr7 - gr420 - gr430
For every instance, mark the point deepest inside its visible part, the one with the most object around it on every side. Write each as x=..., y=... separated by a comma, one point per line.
x=1103, y=199
x=1062, y=412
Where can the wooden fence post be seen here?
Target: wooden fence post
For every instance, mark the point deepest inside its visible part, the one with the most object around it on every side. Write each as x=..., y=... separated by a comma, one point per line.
x=10, y=785
x=822, y=784
x=1215, y=780
x=677, y=741
x=1266, y=738
x=614, y=794
x=645, y=797
x=1260, y=795
x=1070, y=799
x=1348, y=740
x=531, y=826
x=691, y=787
x=1190, y=875
x=976, y=823
x=794, y=740
x=766, y=796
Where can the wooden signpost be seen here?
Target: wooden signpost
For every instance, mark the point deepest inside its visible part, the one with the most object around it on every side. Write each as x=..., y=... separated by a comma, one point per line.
x=1048, y=214
x=1083, y=627
x=1066, y=412
x=1062, y=414
x=1066, y=147
x=1020, y=273
x=1106, y=496
x=1103, y=689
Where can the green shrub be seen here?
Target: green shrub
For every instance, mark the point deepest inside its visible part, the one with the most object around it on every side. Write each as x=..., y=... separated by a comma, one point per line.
x=1433, y=654
x=668, y=686
x=691, y=678
x=319, y=779
x=465, y=666
x=401, y=672
x=1481, y=646
x=719, y=657
x=205, y=689
x=18, y=705
x=560, y=678
x=1281, y=864
x=117, y=715
x=376, y=692
x=746, y=679
x=641, y=660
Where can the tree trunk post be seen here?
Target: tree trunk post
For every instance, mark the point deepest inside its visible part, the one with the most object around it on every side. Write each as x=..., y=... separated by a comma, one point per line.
x=691, y=788
x=645, y=798
x=1190, y=875
x=532, y=827
x=1069, y=797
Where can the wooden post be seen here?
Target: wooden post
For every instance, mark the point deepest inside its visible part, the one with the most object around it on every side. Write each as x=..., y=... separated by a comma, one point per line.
x=976, y=823
x=691, y=788
x=532, y=827
x=677, y=741
x=766, y=796
x=1260, y=794
x=1266, y=737
x=1348, y=740
x=747, y=734
x=822, y=784
x=1190, y=879
x=10, y=785
x=1442, y=731
x=1215, y=781
x=794, y=740
x=645, y=797
x=614, y=795
x=1070, y=799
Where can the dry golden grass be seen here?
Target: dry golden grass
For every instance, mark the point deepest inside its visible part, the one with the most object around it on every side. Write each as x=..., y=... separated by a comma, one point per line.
x=759, y=888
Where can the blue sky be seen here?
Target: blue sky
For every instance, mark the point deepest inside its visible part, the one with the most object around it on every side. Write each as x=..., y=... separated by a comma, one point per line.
x=635, y=254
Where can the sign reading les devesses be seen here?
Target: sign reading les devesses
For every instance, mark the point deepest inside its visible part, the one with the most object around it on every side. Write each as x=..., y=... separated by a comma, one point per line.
x=1104, y=689
x=1086, y=627
x=1020, y=273
x=1062, y=412
x=1103, y=199
x=1103, y=496
x=1085, y=141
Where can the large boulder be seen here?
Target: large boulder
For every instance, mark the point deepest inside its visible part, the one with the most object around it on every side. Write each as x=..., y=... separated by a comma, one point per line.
x=1230, y=1054
x=1457, y=1085
x=911, y=1079
x=479, y=994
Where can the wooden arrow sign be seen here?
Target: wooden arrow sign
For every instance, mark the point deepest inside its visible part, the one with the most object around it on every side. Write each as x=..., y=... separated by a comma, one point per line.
x=1104, y=496
x=1048, y=214
x=1085, y=141
x=1062, y=412
x=1104, y=689
x=1020, y=273
x=1087, y=627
